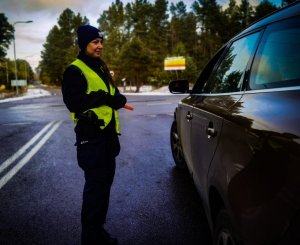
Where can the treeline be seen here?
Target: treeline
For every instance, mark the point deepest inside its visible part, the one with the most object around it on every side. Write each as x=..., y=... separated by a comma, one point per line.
x=140, y=35
x=7, y=72
x=7, y=66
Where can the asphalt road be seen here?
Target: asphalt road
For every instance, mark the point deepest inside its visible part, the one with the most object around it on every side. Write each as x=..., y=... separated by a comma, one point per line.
x=41, y=184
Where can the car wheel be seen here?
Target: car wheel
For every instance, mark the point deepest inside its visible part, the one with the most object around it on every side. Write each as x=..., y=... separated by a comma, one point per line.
x=223, y=232
x=176, y=147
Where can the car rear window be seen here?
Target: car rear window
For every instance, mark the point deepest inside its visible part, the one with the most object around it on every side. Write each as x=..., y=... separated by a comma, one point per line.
x=278, y=58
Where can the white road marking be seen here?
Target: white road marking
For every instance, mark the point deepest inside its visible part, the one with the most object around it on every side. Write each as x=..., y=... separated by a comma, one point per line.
x=29, y=155
x=18, y=123
x=15, y=156
x=160, y=103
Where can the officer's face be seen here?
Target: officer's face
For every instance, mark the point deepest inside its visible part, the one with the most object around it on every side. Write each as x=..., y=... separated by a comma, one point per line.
x=94, y=48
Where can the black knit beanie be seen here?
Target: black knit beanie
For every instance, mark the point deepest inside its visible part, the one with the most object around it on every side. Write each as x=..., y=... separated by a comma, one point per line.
x=86, y=34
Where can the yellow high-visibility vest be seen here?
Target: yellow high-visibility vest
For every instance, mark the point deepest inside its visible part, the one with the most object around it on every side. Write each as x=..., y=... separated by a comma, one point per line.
x=94, y=83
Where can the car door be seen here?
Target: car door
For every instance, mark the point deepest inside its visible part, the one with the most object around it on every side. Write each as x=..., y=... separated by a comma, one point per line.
x=211, y=105
x=183, y=113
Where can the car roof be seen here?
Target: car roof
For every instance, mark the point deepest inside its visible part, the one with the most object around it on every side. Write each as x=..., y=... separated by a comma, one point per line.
x=283, y=13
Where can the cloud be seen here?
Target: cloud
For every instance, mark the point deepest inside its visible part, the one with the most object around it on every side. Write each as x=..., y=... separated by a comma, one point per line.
x=32, y=39
x=30, y=6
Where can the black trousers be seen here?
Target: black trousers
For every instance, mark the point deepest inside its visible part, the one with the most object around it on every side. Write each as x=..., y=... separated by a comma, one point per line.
x=97, y=159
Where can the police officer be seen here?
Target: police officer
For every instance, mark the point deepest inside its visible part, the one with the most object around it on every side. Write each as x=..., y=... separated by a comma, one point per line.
x=93, y=99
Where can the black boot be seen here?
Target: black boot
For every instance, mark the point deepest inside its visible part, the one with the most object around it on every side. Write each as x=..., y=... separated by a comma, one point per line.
x=106, y=239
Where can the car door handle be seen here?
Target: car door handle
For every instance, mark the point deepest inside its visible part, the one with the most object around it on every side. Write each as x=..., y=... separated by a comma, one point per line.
x=210, y=131
x=189, y=116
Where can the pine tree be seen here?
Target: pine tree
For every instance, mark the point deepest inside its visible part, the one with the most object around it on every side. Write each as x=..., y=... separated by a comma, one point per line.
x=134, y=66
x=158, y=39
x=183, y=28
x=232, y=20
x=135, y=60
x=210, y=23
x=6, y=35
x=60, y=48
x=246, y=13
x=112, y=22
x=264, y=8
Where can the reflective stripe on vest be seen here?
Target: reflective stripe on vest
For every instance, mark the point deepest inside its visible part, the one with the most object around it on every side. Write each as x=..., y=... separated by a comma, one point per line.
x=94, y=83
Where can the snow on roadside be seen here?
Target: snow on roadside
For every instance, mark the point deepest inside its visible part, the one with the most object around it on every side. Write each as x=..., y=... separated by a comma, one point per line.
x=38, y=92
x=147, y=90
x=31, y=93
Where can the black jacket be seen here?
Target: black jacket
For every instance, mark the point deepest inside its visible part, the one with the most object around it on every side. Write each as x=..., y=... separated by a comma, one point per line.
x=74, y=87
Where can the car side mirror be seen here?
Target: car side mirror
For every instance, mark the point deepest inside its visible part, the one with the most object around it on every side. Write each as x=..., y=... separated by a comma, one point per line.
x=179, y=87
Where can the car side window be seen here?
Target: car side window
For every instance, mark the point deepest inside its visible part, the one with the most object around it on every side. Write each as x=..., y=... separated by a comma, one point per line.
x=205, y=74
x=278, y=58
x=230, y=73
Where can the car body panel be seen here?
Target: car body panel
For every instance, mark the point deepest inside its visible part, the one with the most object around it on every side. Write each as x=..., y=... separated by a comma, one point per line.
x=263, y=168
x=271, y=176
x=242, y=147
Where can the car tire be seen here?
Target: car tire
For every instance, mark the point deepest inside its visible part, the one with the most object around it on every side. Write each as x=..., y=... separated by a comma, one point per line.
x=176, y=147
x=224, y=233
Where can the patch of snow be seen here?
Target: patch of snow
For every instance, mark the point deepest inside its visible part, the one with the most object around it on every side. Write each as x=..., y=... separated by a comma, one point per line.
x=31, y=93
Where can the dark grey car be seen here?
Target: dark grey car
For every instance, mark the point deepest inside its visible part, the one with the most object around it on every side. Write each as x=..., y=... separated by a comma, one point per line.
x=238, y=133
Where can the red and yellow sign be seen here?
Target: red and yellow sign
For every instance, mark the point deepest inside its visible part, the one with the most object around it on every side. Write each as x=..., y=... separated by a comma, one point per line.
x=174, y=63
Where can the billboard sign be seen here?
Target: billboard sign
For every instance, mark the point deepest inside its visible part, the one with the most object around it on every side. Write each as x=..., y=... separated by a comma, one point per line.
x=18, y=83
x=174, y=63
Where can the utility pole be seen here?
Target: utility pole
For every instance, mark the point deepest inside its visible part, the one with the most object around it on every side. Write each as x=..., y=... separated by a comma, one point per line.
x=14, y=43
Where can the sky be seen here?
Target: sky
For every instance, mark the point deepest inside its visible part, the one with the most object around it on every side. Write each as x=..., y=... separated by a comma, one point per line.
x=30, y=37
